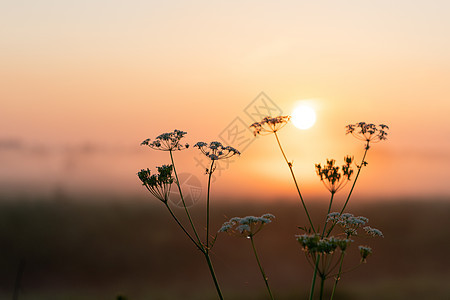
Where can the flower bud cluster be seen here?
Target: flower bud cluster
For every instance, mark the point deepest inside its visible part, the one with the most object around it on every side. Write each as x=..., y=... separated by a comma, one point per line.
x=315, y=244
x=332, y=177
x=158, y=184
x=364, y=251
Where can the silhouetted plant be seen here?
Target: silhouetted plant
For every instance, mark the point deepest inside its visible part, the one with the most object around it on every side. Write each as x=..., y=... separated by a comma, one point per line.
x=159, y=186
x=321, y=248
x=324, y=252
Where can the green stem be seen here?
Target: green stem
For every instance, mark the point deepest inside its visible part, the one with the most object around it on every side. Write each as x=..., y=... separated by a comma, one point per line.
x=182, y=200
x=326, y=217
x=313, y=284
x=213, y=275
x=260, y=268
x=295, y=182
x=207, y=205
x=322, y=284
x=338, y=277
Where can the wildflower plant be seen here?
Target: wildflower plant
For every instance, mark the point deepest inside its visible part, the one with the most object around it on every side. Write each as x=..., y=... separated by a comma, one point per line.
x=320, y=248
x=159, y=185
x=325, y=244
x=248, y=227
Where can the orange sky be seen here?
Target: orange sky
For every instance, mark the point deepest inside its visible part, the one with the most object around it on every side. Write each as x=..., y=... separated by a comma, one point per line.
x=108, y=74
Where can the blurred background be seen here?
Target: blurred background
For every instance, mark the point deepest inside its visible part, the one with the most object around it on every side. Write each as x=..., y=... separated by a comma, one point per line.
x=84, y=83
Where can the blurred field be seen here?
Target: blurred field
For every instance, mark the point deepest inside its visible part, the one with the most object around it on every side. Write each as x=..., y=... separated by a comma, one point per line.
x=98, y=250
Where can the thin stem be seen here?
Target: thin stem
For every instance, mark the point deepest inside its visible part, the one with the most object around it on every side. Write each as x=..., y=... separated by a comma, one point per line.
x=213, y=275
x=328, y=212
x=353, y=185
x=260, y=268
x=322, y=284
x=356, y=178
x=182, y=200
x=203, y=249
x=295, y=182
x=351, y=269
x=184, y=229
x=207, y=205
x=313, y=284
x=18, y=280
x=338, y=277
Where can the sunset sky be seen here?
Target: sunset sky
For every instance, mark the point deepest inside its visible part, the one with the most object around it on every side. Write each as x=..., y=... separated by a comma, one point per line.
x=84, y=82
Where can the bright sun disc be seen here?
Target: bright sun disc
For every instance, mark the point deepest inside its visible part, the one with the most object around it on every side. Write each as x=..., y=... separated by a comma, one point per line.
x=303, y=117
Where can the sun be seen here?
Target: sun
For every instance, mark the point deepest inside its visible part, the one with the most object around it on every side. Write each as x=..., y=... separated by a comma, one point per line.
x=303, y=116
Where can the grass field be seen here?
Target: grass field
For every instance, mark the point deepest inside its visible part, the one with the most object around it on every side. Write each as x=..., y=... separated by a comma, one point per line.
x=86, y=249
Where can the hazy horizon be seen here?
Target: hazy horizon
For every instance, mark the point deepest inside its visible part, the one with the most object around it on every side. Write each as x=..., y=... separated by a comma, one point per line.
x=84, y=83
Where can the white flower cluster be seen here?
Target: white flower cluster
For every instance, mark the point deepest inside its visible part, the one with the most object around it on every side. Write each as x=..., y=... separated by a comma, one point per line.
x=247, y=226
x=373, y=231
x=348, y=222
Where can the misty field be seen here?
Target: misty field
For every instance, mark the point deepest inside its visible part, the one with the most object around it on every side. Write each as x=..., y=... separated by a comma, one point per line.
x=88, y=249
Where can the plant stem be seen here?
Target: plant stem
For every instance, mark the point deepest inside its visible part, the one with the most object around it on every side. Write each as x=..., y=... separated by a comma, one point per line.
x=356, y=178
x=326, y=217
x=213, y=275
x=322, y=283
x=295, y=182
x=207, y=205
x=182, y=200
x=203, y=248
x=260, y=268
x=338, y=277
x=184, y=229
x=353, y=185
x=313, y=284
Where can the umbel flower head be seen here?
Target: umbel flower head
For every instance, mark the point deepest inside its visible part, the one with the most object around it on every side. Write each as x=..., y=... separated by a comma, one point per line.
x=348, y=222
x=373, y=231
x=315, y=244
x=368, y=132
x=247, y=226
x=216, y=151
x=269, y=125
x=158, y=184
x=333, y=178
x=169, y=141
x=364, y=251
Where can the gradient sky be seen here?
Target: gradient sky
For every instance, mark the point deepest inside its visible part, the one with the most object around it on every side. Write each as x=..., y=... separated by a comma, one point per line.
x=84, y=82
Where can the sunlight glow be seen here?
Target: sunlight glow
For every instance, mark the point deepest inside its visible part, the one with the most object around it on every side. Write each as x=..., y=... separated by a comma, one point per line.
x=303, y=117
